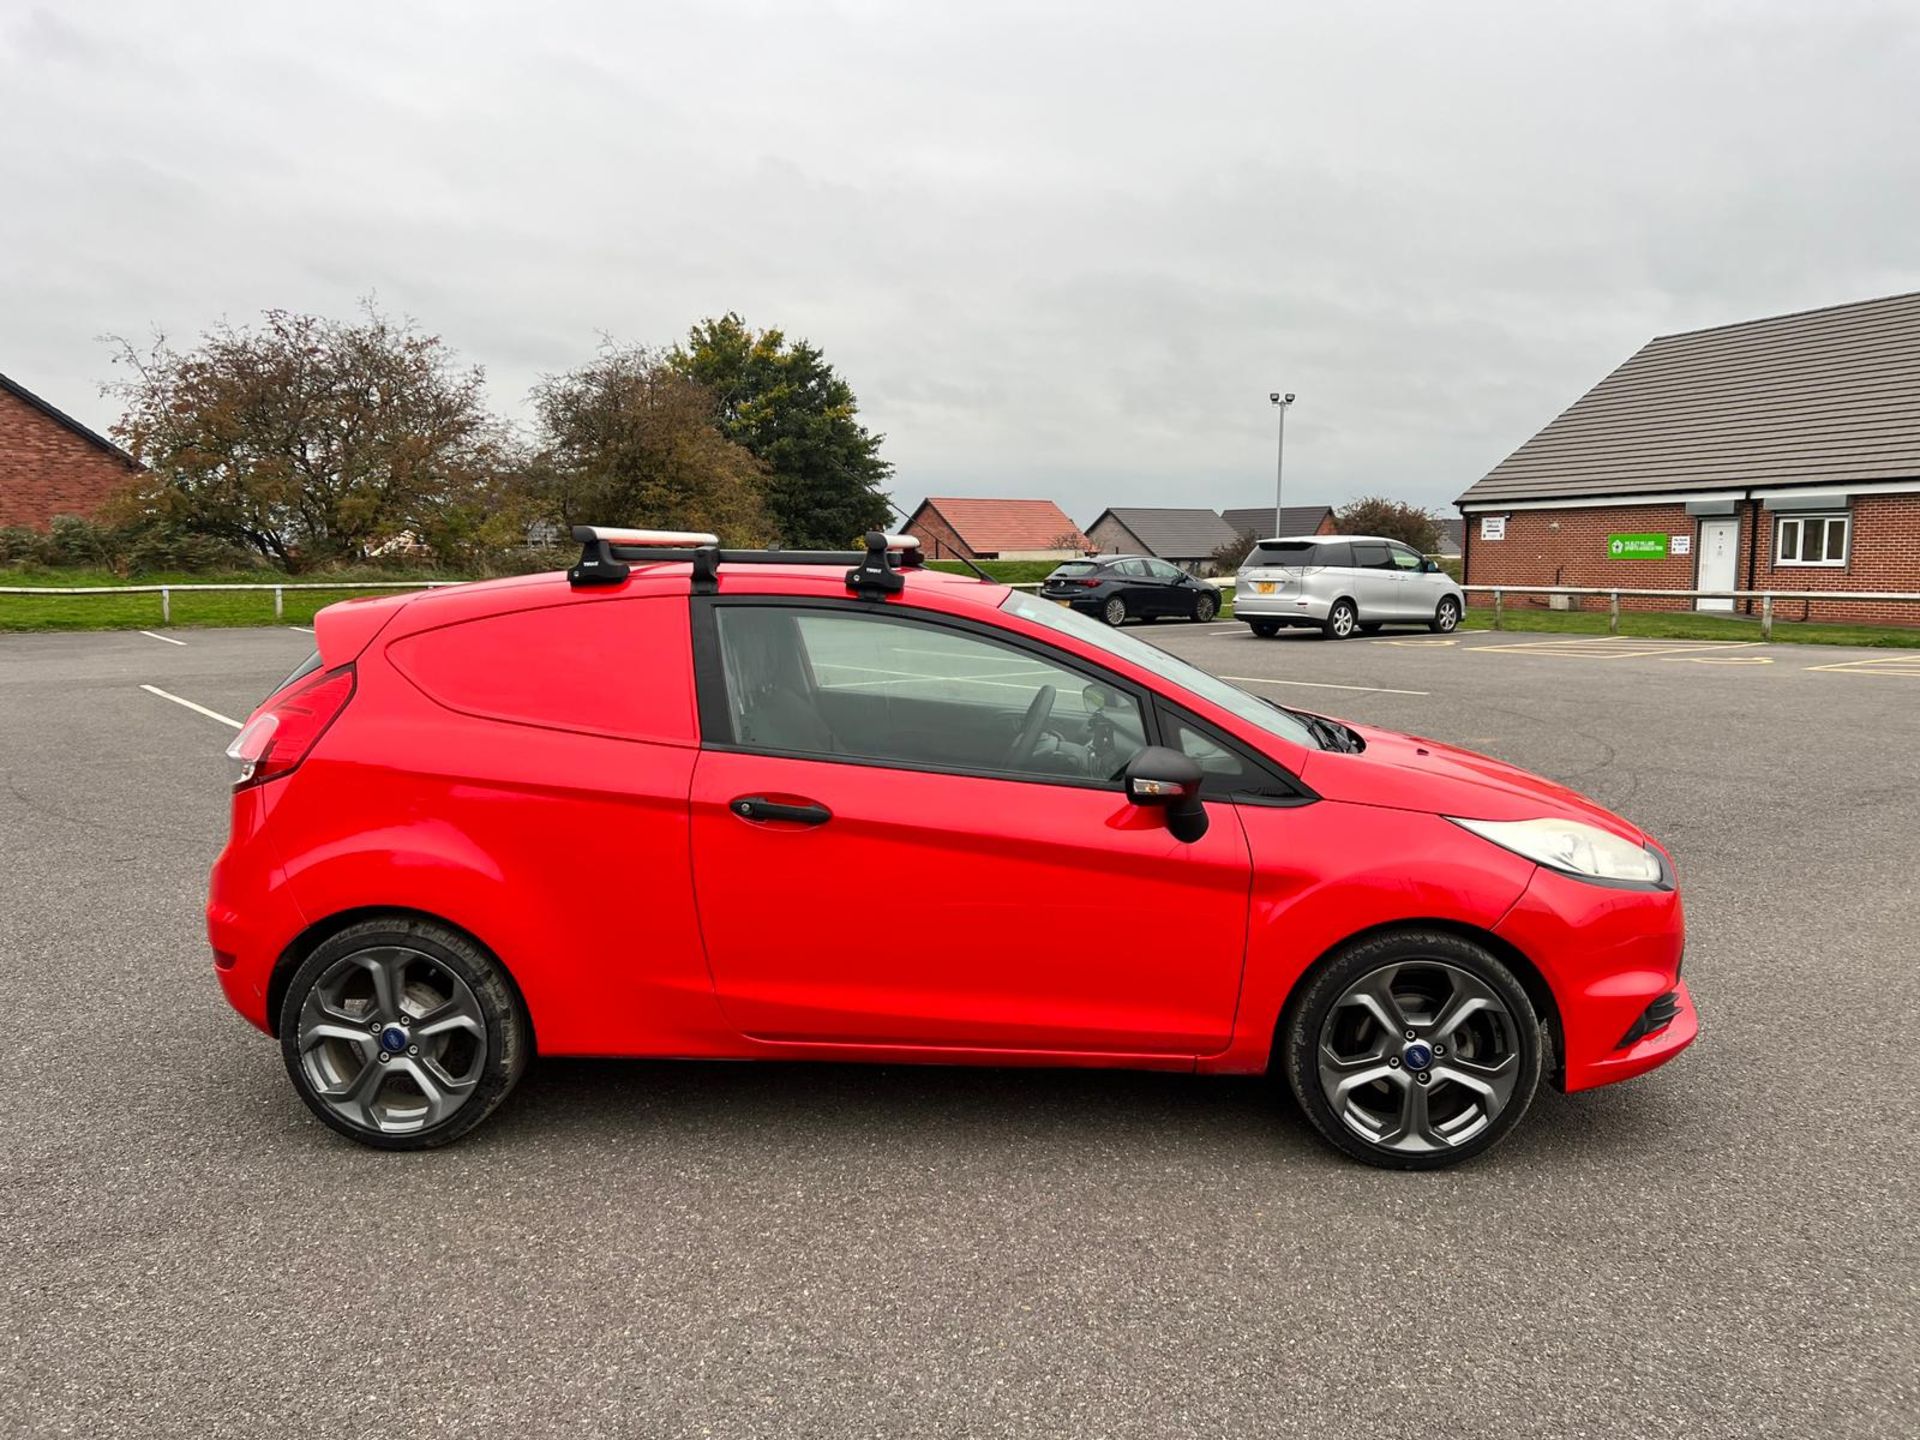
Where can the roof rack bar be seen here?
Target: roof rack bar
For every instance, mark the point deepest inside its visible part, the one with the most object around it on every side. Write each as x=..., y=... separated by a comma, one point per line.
x=608, y=556
x=659, y=539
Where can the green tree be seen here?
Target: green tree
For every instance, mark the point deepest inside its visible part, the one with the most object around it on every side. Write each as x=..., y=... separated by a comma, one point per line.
x=786, y=404
x=627, y=439
x=307, y=439
x=1395, y=519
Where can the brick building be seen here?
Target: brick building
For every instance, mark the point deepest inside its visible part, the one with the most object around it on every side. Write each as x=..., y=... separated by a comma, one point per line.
x=1777, y=454
x=950, y=528
x=51, y=464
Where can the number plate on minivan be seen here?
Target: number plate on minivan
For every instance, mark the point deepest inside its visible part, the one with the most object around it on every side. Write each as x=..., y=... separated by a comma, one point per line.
x=1263, y=587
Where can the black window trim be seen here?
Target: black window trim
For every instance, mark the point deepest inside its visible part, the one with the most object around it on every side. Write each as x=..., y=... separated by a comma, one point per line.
x=715, y=717
x=1210, y=789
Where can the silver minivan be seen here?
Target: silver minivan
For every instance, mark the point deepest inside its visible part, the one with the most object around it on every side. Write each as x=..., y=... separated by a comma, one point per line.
x=1342, y=583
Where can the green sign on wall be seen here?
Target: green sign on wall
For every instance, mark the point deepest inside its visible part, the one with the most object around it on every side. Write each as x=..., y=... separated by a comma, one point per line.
x=1636, y=547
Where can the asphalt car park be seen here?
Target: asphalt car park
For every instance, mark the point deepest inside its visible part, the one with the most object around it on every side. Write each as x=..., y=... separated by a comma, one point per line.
x=1726, y=1246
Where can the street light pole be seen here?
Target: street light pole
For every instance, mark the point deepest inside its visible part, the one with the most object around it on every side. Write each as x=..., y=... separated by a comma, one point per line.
x=1280, y=403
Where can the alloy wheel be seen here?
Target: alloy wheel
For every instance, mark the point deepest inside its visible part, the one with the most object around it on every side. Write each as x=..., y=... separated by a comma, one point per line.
x=391, y=1040
x=1204, y=608
x=1418, y=1057
x=1448, y=616
x=1342, y=621
x=1116, y=611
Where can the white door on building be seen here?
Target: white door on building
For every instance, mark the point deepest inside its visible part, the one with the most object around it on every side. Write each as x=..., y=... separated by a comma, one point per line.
x=1719, y=559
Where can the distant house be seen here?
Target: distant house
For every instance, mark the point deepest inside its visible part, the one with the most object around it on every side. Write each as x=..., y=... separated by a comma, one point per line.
x=954, y=528
x=1186, y=537
x=1257, y=520
x=1773, y=454
x=1451, y=532
x=51, y=464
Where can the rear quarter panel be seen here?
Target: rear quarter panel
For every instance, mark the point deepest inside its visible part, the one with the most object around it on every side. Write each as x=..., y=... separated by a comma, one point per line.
x=564, y=852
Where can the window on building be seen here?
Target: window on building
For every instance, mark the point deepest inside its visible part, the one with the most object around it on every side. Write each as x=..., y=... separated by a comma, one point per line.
x=1811, y=540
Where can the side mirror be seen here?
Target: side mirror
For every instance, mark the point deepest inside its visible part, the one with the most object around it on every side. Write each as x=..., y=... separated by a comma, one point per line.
x=1429, y=567
x=1169, y=781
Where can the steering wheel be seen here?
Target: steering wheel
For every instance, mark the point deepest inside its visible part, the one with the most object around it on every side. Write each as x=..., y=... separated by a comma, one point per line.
x=1036, y=717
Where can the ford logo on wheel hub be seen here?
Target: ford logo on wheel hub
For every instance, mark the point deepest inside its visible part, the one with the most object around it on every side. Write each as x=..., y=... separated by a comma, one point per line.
x=393, y=1039
x=1417, y=1056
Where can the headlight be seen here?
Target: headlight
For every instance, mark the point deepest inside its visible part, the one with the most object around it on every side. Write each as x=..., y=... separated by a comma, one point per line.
x=1575, y=848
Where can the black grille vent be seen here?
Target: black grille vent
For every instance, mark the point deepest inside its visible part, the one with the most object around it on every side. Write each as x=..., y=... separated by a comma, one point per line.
x=1655, y=1017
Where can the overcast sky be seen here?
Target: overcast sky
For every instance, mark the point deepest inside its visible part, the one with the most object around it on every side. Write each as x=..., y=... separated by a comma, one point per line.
x=1060, y=250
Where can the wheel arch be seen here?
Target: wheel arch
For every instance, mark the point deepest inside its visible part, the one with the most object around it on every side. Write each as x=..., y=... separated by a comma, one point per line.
x=320, y=931
x=1524, y=970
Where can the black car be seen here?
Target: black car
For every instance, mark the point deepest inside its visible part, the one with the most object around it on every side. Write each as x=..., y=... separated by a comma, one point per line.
x=1119, y=588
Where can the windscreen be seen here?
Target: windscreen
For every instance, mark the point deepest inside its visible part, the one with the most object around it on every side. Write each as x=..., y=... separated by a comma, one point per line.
x=1156, y=661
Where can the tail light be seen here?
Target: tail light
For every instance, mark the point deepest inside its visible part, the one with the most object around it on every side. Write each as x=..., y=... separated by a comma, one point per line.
x=285, y=731
x=1091, y=582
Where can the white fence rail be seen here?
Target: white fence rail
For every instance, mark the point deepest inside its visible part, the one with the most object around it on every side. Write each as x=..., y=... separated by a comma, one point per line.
x=167, y=592
x=1613, y=594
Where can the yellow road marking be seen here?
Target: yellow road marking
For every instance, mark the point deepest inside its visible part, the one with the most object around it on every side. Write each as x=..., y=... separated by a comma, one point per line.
x=1907, y=666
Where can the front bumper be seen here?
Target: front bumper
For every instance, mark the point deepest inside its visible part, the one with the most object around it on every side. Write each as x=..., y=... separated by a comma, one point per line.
x=1607, y=954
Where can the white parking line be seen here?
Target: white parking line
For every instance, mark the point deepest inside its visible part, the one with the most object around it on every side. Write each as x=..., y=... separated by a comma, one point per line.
x=1322, y=685
x=197, y=709
x=163, y=639
x=303, y=629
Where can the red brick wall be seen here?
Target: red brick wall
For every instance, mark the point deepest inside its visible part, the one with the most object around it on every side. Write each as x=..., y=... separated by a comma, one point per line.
x=47, y=470
x=1883, y=553
x=1569, y=547
x=938, y=540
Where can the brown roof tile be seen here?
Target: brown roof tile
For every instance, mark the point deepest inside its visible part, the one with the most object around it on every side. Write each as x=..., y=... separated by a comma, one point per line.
x=1822, y=396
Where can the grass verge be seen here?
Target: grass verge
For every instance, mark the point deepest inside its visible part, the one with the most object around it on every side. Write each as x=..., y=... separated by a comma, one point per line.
x=1685, y=625
x=190, y=608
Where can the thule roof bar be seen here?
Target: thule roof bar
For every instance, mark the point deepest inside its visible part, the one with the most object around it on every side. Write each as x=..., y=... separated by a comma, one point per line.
x=608, y=555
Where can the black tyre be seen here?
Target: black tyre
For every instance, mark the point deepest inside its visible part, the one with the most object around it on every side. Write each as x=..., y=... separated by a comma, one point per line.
x=1413, y=1050
x=1205, y=606
x=402, y=1034
x=1114, y=612
x=1265, y=629
x=1446, y=616
x=1342, y=620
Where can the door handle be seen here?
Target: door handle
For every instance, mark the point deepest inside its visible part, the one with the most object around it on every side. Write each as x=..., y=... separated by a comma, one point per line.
x=758, y=807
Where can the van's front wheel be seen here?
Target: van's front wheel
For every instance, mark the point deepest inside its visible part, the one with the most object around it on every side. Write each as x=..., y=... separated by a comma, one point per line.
x=1414, y=1050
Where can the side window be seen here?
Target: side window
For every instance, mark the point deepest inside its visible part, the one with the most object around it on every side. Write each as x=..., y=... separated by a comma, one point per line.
x=1403, y=558
x=1161, y=570
x=1371, y=555
x=1132, y=569
x=847, y=685
x=1335, y=554
x=1227, y=769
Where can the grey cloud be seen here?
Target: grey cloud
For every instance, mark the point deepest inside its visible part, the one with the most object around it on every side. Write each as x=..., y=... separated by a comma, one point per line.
x=1060, y=250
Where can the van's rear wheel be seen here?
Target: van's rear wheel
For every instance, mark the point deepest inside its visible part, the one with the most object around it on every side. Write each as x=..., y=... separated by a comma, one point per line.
x=402, y=1034
x=1414, y=1050
x=1342, y=620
